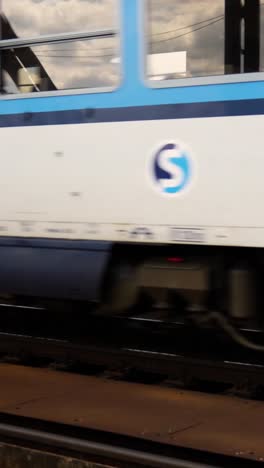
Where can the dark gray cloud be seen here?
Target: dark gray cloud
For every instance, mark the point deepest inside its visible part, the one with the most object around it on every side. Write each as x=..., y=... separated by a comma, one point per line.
x=39, y=17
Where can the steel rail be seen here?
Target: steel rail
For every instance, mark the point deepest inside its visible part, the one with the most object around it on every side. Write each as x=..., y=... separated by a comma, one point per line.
x=111, y=451
x=148, y=361
x=95, y=448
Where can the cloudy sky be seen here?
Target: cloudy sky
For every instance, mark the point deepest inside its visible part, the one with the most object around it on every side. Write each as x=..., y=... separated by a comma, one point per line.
x=193, y=26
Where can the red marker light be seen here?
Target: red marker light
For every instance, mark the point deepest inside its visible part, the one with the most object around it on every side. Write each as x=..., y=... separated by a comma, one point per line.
x=175, y=259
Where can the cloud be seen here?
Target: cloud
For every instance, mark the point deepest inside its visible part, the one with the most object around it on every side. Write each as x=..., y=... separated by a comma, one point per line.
x=78, y=65
x=40, y=17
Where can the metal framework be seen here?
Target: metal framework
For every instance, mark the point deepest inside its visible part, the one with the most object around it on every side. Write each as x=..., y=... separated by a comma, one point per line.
x=17, y=53
x=56, y=38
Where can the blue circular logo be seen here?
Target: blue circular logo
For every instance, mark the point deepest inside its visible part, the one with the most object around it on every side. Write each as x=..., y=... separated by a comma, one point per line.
x=171, y=168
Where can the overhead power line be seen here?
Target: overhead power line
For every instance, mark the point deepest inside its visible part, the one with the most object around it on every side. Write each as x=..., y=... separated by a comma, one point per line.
x=48, y=55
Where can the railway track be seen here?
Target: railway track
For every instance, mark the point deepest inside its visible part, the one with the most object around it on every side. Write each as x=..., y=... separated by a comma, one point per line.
x=127, y=351
x=158, y=329
x=107, y=449
x=130, y=364
x=135, y=348
x=127, y=424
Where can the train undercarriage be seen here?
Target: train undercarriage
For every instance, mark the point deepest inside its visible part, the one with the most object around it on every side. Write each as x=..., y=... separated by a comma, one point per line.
x=215, y=287
x=203, y=285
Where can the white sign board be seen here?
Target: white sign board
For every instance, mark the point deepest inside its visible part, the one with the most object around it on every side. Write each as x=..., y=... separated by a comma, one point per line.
x=167, y=63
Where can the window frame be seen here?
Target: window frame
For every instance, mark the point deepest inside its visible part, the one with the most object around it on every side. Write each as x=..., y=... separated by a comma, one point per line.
x=62, y=38
x=184, y=82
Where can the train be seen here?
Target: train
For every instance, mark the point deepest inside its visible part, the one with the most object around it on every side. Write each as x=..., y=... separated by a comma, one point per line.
x=131, y=154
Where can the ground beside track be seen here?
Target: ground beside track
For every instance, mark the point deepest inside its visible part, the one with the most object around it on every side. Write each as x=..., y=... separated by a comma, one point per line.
x=220, y=424
x=18, y=457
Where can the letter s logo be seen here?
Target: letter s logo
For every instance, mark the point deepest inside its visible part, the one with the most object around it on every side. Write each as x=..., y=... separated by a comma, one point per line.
x=171, y=169
x=168, y=163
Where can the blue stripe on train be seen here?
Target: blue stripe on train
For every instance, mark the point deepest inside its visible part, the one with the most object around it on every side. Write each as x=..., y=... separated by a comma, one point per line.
x=135, y=94
x=140, y=113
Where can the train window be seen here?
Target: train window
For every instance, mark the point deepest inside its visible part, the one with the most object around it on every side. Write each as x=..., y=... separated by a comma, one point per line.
x=58, y=45
x=205, y=38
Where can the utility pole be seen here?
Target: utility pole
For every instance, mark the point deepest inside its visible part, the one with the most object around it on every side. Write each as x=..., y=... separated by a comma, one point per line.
x=252, y=36
x=242, y=36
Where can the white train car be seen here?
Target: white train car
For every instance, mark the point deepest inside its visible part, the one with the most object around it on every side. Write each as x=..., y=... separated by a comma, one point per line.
x=131, y=151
